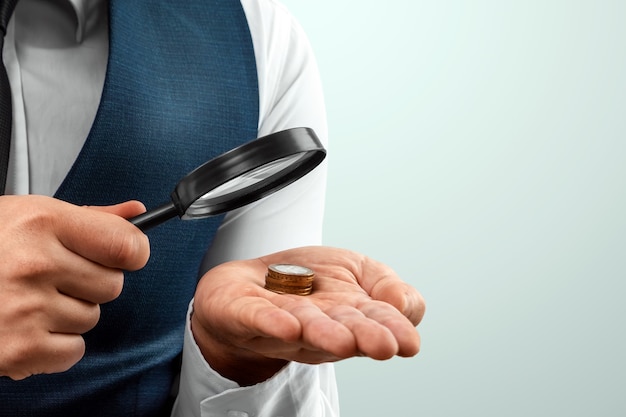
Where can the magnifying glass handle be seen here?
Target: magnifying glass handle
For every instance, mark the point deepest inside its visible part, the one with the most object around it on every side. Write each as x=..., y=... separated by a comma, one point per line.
x=155, y=217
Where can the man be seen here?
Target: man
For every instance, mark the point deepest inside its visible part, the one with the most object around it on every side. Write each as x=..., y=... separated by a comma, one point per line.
x=114, y=102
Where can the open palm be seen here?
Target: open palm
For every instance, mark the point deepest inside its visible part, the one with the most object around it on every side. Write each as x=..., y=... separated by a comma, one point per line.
x=358, y=307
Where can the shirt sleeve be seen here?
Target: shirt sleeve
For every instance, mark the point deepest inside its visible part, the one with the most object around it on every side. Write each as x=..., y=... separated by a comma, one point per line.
x=290, y=96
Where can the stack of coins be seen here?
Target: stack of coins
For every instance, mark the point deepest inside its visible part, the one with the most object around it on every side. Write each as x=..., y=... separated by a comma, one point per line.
x=289, y=279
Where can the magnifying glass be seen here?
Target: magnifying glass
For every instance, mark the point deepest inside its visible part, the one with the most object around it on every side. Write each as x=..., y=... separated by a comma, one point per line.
x=240, y=176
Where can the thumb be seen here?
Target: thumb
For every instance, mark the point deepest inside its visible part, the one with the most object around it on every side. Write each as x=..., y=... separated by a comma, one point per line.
x=126, y=210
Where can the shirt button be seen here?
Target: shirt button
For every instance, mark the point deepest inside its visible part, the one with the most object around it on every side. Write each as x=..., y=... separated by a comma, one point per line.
x=235, y=413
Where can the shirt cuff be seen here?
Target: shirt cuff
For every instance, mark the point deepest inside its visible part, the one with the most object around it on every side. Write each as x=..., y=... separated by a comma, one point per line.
x=298, y=390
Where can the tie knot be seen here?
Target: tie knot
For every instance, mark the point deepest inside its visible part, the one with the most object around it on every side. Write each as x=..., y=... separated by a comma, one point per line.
x=6, y=10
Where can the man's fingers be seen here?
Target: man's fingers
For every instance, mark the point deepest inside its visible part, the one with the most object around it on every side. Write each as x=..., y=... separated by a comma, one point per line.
x=375, y=329
x=64, y=351
x=84, y=233
x=92, y=283
x=414, y=306
x=126, y=209
x=382, y=284
x=372, y=338
x=264, y=319
x=323, y=332
x=402, y=330
x=72, y=316
x=245, y=318
x=50, y=353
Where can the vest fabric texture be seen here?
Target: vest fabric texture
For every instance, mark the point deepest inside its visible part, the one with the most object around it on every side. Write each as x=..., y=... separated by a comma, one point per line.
x=181, y=88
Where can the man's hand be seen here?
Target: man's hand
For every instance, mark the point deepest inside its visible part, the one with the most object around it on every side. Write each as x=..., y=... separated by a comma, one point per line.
x=59, y=263
x=359, y=307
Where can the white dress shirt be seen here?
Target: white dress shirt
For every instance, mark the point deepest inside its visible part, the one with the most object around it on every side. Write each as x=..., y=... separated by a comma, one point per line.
x=56, y=55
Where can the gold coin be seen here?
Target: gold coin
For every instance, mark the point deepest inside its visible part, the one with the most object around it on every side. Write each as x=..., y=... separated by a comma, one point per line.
x=289, y=279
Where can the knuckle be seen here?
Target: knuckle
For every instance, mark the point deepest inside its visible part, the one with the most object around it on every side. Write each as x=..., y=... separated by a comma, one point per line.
x=388, y=289
x=113, y=288
x=91, y=318
x=414, y=307
x=122, y=249
x=23, y=311
x=18, y=356
x=70, y=357
x=29, y=265
x=27, y=356
x=125, y=250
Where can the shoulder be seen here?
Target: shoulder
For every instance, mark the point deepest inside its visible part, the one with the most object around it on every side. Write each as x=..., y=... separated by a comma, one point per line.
x=286, y=67
x=268, y=15
x=273, y=28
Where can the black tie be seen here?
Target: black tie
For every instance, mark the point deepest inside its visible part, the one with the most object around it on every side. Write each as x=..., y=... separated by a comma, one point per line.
x=6, y=110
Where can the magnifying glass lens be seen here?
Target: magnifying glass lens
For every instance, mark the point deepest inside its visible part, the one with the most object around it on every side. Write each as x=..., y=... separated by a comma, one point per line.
x=203, y=206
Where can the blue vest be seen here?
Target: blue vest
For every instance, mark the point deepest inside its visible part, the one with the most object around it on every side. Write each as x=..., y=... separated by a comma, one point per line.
x=181, y=88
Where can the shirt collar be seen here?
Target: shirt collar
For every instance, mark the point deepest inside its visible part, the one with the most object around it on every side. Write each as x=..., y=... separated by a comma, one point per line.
x=84, y=10
x=79, y=8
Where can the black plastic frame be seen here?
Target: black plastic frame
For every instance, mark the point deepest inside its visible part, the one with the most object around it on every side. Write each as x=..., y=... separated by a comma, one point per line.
x=237, y=162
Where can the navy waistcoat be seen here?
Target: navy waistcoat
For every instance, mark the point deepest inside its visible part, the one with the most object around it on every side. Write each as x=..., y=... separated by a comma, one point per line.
x=180, y=88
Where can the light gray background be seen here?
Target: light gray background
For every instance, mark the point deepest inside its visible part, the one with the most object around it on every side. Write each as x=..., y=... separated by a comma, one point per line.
x=479, y=148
